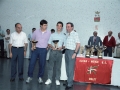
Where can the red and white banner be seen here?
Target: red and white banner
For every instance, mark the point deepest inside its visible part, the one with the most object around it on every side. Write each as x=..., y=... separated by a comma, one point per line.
x=93, y=70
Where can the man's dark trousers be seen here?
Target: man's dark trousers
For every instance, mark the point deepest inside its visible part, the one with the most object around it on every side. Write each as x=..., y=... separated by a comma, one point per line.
x=17, y=57
x=2, y=47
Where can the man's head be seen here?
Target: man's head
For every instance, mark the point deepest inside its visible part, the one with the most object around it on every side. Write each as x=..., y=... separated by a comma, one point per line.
x=95, y=33
x=33, y=29
x=18, y=27
x=110, y=33
x=69, y=27
x=119, y=34
x=52, y=30
x=8, y=31
x=59, y=26
x=43, y=24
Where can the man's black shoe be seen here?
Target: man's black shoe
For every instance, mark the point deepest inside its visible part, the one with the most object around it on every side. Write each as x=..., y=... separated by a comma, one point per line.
x=12, y=80
x=68, y=87
x=21, y=79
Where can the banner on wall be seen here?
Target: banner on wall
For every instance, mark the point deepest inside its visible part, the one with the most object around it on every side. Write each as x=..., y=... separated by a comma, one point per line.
x=93, y=70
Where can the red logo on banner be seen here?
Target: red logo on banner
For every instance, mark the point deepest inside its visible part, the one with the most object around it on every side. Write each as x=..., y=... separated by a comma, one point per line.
x=93, y=70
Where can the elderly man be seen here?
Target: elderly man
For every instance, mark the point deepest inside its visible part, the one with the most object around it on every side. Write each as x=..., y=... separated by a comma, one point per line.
x=95, y=40
x=72, y=47
x=2, y=35
x=110, y=43
x=18, y=46
x=118, y=46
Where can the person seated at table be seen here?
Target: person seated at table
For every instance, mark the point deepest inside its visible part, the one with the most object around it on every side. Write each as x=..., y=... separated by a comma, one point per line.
x=96, y=41
x=110, y=43
x=118, y=46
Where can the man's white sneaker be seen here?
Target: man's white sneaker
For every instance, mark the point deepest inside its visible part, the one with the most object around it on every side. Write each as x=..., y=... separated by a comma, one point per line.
x=57, y=82
x=28, y=80
x=40, y=80
x=48, y=82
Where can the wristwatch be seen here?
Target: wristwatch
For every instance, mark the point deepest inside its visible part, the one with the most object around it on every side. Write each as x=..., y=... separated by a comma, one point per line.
x=75, y=52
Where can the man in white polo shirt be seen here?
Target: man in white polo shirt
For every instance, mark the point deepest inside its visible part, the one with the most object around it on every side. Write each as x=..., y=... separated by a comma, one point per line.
x=72, y=47
x=18, y=46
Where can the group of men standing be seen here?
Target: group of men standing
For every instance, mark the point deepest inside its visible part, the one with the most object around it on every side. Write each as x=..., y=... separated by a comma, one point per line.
x=45, y=40
x=55, y=42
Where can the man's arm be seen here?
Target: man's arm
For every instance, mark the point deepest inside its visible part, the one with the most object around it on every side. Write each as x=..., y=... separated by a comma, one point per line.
x=2, y=34
x=29, y=36
x=104, y=41
x=6, y=38
x=25, y=47
x=77, y=47
x=77, y=41
x=100, y=41
x=89, y=41
x=117, y=44
x=10, y=46
x=114, y=42
x=50, y=42
x=25, y=43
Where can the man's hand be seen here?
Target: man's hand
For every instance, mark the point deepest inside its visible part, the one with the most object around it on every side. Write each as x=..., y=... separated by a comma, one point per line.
x=53, y=48
x=32, y=48
x=73, y=56
x=10, y=54
x=60, y=48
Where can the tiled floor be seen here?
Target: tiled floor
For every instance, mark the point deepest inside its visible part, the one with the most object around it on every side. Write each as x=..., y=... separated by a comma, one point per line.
x=5, y=84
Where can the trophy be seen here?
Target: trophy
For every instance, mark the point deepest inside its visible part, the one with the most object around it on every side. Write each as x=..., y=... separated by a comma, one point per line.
x=100, y=49
x=92, y=50
x=34, y=44
x=81, y=50
x=88, y=48
x=55, y=43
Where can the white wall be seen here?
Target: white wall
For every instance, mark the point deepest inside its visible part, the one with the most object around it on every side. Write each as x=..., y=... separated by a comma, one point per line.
x=80, y=12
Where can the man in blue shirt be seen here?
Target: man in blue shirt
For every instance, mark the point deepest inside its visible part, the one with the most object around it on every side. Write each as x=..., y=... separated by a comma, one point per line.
x=56, y=43
x=2, y=35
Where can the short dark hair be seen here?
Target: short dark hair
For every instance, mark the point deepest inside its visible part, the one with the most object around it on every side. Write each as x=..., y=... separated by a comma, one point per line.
x=17, y=24
x=72, y=25
x=60, y=23
x=7, y=29
x=43, y=22
x=52, y=30
x=33, y=28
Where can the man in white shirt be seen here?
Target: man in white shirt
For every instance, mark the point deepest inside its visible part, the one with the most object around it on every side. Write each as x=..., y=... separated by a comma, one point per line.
x=72, y=47
x=7, y=39
x=30, y=44
x=118, y=46
x=18, y=46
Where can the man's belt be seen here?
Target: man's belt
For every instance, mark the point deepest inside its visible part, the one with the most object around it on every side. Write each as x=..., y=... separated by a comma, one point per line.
x=17, y=47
